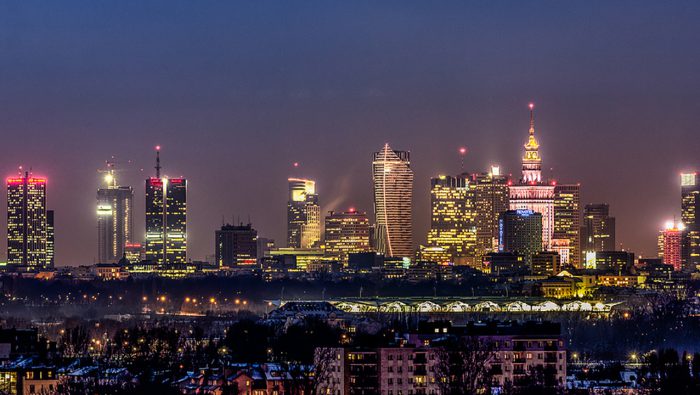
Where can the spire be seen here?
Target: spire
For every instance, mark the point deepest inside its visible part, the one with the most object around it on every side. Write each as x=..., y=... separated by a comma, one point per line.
x=532, y=119
x=157, y=161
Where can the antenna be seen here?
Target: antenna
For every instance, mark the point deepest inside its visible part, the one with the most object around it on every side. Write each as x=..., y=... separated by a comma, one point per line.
x=157, y=161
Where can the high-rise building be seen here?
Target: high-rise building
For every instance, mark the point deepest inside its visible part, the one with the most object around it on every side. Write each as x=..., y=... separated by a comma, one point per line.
x=453, y=220
x=236, y=245
x=115, y=222
x=490, y=200
x=50, y=240
x=521, y=233
x=598, y=231
x=670, y=245
x=166, y=219
x=567, y=222
x=303, y=214
x=27, y=226
x=690, y=216
x=392, y=180
x=531, y=193
x=346, y=233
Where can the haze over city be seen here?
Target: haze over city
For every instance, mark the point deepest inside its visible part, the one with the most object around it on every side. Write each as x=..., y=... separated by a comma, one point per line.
x=236, y=93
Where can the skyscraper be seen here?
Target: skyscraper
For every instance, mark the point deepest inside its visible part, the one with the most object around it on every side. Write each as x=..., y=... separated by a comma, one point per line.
x=50, y=240
x=303, y=214
x=520, y=232
x=27, y=226
x=670, y=245
x=690, y=216
x=598, y=231
x=567, y=222
x=531, y=193
x=346, y=233
x=114, y=219
x=392, y=179
x=166, y=219
x=490, y=200
x=236, y=245
x=453, y=220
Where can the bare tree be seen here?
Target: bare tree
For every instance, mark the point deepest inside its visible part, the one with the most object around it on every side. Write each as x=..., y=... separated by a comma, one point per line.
x=462, y=366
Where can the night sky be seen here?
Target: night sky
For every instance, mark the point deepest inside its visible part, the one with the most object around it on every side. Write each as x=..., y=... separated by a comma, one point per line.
x=235, y=92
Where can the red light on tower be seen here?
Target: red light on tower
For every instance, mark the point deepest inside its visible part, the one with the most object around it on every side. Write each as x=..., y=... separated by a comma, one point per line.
x=351, y=209
x=462, y=150
x=157, y=147
x=531, y=105
x=296, y=164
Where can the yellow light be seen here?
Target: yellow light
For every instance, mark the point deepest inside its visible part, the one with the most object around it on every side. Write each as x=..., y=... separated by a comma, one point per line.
x=109, y=179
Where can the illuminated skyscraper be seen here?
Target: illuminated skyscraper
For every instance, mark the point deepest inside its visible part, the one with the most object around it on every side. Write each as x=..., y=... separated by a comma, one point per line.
x=452, y=220
x=392, y=179
x=50, y=240
x=690, y=216
x=598, y=231
x=27, y=226
x=520, y=232
x=166, y=219
x=490, y=200
x=567, y=222
x=531, y=193
x=114, y=219
x=670, y=245
x=303, y=214
x=236, y=245
x=346, y=233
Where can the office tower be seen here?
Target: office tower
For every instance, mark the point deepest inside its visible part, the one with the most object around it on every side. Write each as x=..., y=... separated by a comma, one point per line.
x=166, y=219
x=27, y=233
x=114, y=219
x=236, y=245
x=690, y=216
x=670, y=245
x=490, y=200
x=392, y=179
x=452, y=220
x=303, y=214
x=531, y=193
x=567, y=222
x=520, y=232
x=546, y=263
x=346, y=233
x=598, y=231
x=50, y=240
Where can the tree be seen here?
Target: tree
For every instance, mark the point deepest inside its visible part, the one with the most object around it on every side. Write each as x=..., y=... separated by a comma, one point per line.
x=462, y=366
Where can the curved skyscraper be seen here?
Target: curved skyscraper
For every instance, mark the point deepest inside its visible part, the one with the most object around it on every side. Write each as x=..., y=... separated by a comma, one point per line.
x=392, y=180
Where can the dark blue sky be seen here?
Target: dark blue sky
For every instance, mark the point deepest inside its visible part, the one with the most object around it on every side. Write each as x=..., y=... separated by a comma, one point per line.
x=237, y=91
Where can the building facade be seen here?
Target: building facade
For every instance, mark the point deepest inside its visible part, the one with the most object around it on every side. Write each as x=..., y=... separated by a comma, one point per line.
x=303, y=214
x=521, y=233
x=115, y=221
x=671, y=245
x=567, y=222
x=27, y=225
x=346, y=232
x=598, y=231
x=490, y=200
x=690, y=216
x=392, y=180
x=166, y=219
x=453, y=219
x=236, y=245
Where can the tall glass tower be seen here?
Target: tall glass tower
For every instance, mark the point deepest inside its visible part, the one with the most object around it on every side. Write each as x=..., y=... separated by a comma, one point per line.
x=392, y=179
x=303, y=214
x=114, y=219
x=27, y=227
x=166, y=219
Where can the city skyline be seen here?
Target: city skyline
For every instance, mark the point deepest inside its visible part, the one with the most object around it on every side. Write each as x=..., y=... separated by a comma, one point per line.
x=602, y=121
